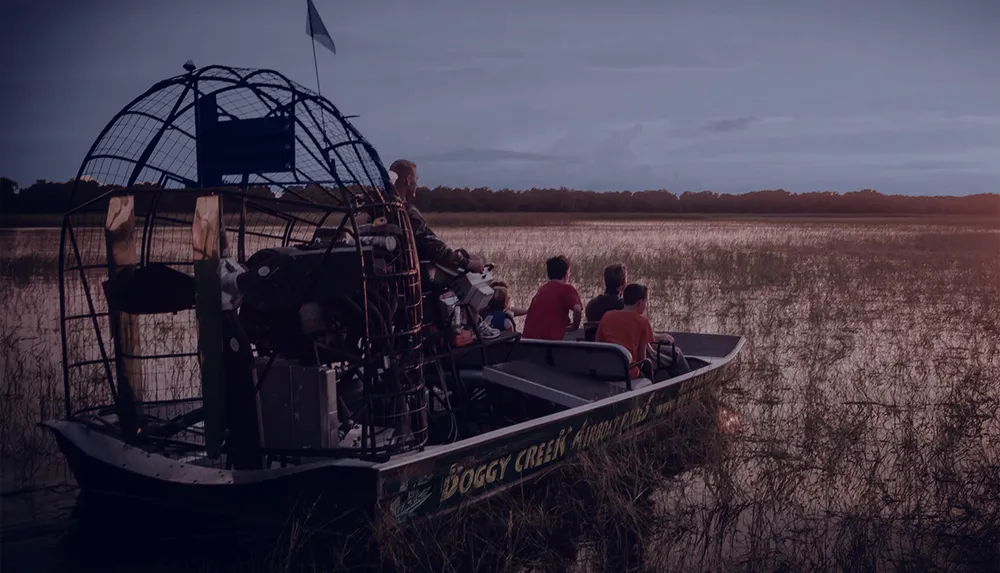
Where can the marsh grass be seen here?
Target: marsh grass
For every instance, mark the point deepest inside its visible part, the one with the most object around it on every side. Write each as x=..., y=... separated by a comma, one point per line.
x=867, y=392
x=867, y=397
x=23, y=269
x=30, y=391
x=596, y=512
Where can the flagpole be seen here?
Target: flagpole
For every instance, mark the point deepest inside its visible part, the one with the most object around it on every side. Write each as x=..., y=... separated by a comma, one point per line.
x=319, y=91
x=316, y=23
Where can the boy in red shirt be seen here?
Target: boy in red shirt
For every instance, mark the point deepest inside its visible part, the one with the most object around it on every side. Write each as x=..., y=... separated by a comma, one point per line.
x=629, y=328
x=549, y=311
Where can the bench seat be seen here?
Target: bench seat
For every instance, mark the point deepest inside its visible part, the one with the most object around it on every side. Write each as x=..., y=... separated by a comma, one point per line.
x=563, y=388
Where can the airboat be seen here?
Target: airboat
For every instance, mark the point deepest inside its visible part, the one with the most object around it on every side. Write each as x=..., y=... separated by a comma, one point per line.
x=247, y=325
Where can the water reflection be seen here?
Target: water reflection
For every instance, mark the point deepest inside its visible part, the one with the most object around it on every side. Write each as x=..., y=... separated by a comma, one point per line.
x=728, y=421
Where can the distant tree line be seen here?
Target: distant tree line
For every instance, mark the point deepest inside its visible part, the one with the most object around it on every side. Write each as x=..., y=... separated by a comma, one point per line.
x=53, y=197
x=776, y=201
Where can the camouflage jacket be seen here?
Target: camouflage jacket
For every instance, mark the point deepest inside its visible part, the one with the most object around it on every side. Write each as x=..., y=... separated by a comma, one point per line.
x=429, y=246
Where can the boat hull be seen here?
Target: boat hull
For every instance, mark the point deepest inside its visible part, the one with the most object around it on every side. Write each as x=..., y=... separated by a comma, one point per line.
x=126, y=477
x=407, y=487
x=430, y=482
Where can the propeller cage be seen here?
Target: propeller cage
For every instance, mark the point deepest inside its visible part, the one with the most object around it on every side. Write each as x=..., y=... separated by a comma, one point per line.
x=228, y=217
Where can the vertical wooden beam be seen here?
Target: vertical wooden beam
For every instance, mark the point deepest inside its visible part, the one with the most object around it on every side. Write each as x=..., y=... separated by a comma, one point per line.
x=206, y=241
x=122, y=251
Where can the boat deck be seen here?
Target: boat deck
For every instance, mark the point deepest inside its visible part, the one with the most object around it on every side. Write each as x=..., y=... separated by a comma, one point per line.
x=580, y=373
x=540, y=381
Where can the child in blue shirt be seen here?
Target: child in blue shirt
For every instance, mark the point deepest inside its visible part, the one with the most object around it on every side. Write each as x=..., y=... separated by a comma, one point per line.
x=499, y=314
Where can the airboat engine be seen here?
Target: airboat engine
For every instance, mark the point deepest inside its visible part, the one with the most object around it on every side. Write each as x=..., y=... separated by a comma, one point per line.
x=305, y=302
x=304, y=306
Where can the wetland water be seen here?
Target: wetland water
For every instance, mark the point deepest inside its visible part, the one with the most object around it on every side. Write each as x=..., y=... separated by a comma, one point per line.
x=867, y=393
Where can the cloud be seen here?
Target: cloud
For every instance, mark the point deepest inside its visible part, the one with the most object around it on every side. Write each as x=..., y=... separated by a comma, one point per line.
x=731, y=124
x=823, y=162
x=485, y=63
x=470, y=154
x=930, y=164
x=659, y=56
x=981, y=120
x=663, y=69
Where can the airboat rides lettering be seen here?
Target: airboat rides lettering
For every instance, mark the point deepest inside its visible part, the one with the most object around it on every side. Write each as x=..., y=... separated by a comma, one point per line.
x=462, y=480
x=596, y=433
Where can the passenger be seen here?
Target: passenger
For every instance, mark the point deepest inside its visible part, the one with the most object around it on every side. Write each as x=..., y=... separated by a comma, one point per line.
x=516, y=310
x=630, y=328
x=551, y=306
x=499, y=314
x=429, y=246
x=615, y=277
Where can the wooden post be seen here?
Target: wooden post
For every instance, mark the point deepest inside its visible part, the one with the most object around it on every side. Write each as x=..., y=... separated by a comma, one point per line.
x=206, y=241
x=120, y=240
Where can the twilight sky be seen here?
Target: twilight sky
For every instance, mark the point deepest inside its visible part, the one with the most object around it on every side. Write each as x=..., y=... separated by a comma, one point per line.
x=899, y=95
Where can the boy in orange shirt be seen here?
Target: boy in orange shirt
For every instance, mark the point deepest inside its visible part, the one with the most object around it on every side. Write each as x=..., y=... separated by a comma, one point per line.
x=630, y=328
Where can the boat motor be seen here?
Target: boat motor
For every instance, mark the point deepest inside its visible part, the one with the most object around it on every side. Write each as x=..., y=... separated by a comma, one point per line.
x=304, y=305
x=306, y=302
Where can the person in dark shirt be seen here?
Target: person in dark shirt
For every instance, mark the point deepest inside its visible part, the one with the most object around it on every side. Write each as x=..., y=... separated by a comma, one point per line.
x=615, y=277
x=429, y=246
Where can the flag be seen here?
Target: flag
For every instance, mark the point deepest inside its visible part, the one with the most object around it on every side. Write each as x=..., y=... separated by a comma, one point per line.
x=316, y=29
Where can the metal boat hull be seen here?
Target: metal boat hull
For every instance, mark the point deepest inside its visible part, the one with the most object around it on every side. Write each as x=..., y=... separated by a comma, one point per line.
x=445, y=478
x=409, y=486
x=128, y=477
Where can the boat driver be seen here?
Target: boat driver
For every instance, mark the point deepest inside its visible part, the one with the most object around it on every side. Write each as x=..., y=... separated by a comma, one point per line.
x=403, y=174
x=429, y=246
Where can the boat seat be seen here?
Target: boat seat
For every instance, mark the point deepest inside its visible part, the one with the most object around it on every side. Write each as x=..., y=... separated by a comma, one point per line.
x=547, y=383
x=598, y=360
